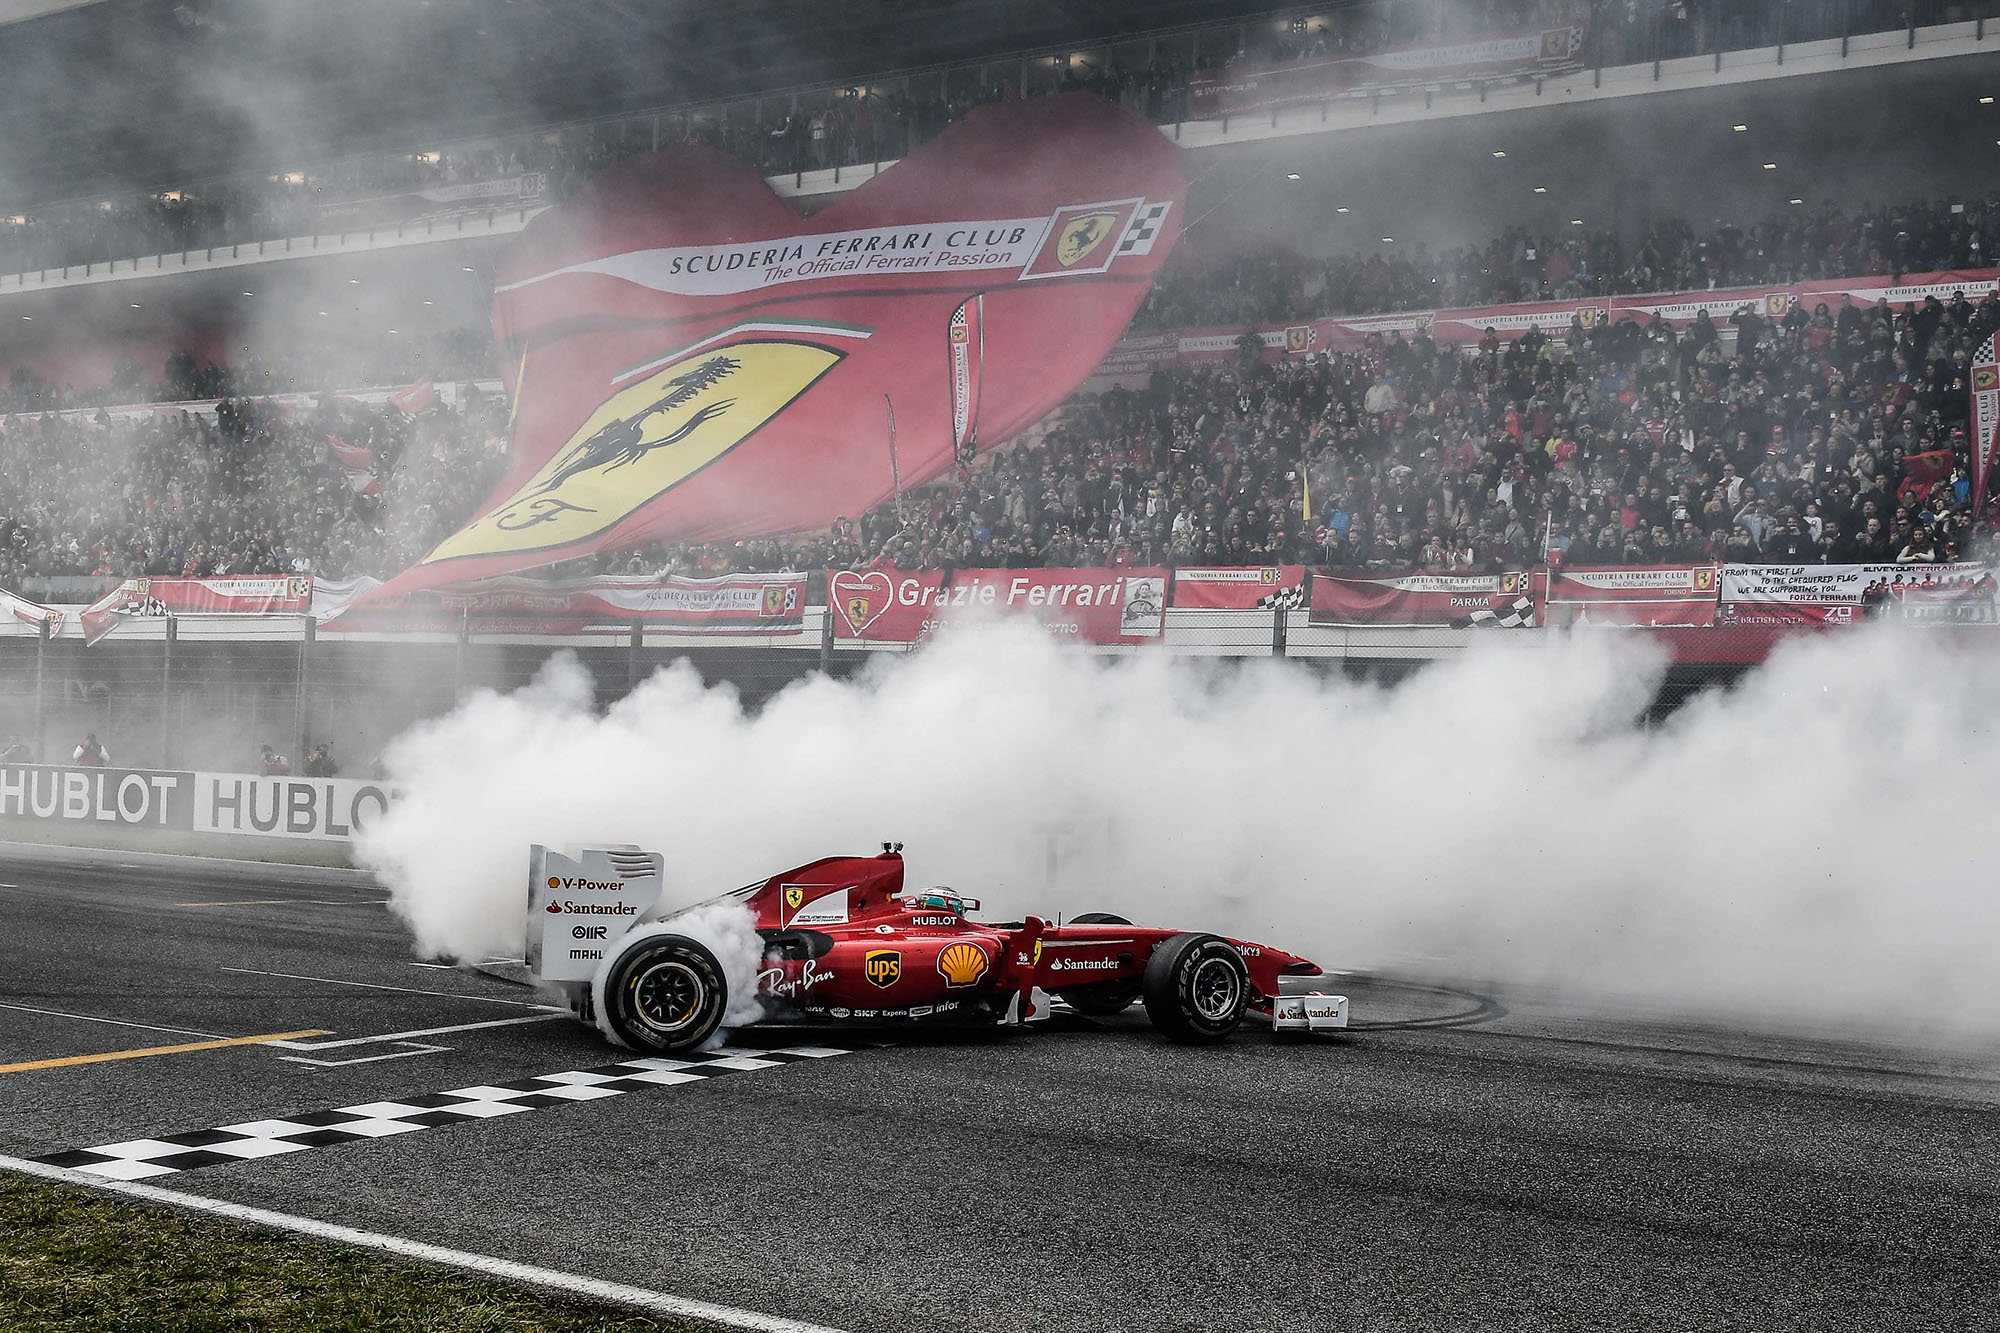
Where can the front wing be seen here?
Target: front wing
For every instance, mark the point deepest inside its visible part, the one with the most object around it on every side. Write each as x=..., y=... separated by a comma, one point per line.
x=1307, y=1004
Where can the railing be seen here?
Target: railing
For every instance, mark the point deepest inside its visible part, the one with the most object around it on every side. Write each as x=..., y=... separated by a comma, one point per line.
x=839, y=127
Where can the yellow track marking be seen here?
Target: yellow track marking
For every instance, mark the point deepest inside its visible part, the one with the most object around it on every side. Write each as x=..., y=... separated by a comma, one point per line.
x=217, y=1044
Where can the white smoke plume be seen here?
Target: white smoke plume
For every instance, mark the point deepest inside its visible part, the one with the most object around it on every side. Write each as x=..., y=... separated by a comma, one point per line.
x=1804, y=848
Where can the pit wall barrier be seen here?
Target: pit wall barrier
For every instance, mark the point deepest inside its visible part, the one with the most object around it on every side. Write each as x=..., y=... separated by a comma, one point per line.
x=70, y=798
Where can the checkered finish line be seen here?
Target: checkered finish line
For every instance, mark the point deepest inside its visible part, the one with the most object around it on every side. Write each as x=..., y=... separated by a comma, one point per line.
x=140, y=1158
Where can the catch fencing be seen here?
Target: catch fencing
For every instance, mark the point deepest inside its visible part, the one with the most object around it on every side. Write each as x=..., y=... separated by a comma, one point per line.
x=206, y=693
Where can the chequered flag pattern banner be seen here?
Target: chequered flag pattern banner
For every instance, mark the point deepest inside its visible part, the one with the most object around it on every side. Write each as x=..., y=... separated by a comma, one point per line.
x=1144, y=229
x=1521, y=615
x=138, y=1159
x=1287, y=599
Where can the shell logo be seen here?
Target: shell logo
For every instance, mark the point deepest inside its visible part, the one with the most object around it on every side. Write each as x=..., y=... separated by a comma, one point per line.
x=552, y=882
x=962, y=964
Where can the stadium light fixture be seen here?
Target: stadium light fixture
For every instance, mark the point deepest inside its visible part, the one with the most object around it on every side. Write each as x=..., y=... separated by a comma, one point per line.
x=468, y=268
x=354, y=282
x=249, y=293
x=427, y=303
x=1739, y=128
x=1576, y=222
x=1340, y=210
x=135, y=305
x=27, y=317
x=1499, y=152
x=1541, y=189
x=1986, y=101
x=1388, y=240
x=1291, y=175
x=1795, y=201
x=1770, y=166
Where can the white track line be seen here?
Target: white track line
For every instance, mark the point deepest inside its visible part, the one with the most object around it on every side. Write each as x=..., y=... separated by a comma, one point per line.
x=115, y=1022
x=547, y=1279
x=372, y=985
x=417, y=1032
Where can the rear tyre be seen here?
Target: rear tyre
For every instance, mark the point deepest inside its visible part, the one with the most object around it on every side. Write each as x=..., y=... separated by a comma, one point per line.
x=1106, y=999
x=666, y=994
x=1196, y=988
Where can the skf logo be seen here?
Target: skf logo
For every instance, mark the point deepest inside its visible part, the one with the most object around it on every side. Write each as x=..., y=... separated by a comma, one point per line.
x=963, y=963
x=644, y=440
x=883, y=967
x=795, y=897
x=1081, y=235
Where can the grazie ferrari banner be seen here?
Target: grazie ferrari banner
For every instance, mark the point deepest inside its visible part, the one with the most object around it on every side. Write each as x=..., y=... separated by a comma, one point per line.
x=1087, y=605
x=1504, y=601
x=691, y=360
x=258, y=595
x=1261, y=589
x=1633, y=596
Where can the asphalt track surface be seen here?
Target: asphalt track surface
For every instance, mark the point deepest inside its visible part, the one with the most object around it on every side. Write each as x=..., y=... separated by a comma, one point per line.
x=1468, y=1164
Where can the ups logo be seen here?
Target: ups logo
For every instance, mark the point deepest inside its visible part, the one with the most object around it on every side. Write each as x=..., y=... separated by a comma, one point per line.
x=883, y=967
x=644, y=440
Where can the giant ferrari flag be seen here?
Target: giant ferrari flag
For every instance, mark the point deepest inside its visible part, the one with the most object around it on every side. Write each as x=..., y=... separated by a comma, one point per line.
x=692, y=360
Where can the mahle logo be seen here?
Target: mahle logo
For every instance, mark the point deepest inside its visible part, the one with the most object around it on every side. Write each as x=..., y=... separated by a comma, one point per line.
x=643, y=441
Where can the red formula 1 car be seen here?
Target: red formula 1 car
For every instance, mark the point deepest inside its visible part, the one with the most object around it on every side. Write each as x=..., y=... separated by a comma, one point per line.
x=844, y=943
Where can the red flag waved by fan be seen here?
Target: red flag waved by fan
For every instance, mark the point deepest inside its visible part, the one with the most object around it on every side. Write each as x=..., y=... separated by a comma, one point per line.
x=415, y=398
x=692, y=361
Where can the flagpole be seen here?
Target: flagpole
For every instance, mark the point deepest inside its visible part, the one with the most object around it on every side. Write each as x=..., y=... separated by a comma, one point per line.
x=895, y=470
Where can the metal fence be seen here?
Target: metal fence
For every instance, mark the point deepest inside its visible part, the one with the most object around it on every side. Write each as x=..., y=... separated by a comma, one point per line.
x=202, y=695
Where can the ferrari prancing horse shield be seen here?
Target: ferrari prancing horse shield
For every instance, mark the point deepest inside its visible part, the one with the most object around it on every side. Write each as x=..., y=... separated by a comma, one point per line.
x=644, y=440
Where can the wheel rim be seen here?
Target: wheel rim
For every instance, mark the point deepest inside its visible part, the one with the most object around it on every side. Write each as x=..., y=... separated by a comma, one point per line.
x=667, y=996
x=1216, y=989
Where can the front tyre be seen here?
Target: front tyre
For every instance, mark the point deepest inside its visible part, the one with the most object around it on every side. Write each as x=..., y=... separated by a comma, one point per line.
x=666, y=993
x=1103, y=999
x=1196, y=988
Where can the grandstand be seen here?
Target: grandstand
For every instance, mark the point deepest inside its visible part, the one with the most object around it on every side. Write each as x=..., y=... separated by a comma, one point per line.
x=213, y=377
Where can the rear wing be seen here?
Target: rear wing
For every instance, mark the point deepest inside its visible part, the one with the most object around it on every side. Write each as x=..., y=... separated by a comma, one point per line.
x=580, y=900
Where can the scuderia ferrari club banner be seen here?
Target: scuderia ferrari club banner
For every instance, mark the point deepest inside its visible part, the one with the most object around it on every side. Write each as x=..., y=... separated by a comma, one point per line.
x=31, y=613
x=1100, y=606
x=1645, y=598
x=258, y=595
x=690, y=360
x=1502, y=601
x=1247, y=589
x=730, y=604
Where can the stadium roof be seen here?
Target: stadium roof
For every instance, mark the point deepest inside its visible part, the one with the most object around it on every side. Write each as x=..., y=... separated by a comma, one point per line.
x=154, y=92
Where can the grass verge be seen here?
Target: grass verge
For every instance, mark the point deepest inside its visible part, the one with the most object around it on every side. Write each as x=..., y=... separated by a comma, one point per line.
x=72, y=1261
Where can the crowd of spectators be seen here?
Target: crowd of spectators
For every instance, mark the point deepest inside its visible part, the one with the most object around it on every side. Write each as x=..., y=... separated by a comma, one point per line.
x=253, y=489
x=872, y=122
x=1837, y=433
x=299, y=363
x=1834, y=435
x=1793, y=245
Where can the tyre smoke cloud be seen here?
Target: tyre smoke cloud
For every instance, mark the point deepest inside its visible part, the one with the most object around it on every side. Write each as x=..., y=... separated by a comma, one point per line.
x=1802, y=849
